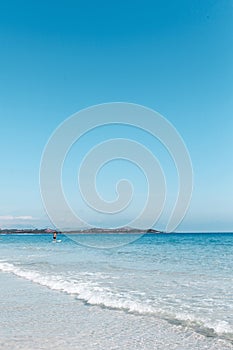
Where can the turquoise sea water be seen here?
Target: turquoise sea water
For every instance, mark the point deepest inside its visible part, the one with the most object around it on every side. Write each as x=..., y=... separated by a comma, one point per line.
x=160, y=291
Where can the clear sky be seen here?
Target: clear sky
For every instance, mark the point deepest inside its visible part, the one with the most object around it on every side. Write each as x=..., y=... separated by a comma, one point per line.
x=172, y=56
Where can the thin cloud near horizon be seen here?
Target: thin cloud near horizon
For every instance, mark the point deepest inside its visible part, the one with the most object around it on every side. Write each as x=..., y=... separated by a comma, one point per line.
x=21, y=217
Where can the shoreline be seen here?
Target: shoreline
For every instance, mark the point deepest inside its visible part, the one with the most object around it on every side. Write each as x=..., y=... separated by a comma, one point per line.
x=107, y=326
x=83, y=231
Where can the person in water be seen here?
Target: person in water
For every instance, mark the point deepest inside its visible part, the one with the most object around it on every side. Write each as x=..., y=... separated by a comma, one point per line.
x=54, y=235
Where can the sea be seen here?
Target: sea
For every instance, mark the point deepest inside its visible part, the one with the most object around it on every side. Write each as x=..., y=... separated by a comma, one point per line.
x=152, y=291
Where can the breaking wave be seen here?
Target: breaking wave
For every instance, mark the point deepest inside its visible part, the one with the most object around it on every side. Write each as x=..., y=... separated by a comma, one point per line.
x=93, y=294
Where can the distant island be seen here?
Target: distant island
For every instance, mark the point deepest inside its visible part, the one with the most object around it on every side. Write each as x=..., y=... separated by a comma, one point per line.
x=81, y=231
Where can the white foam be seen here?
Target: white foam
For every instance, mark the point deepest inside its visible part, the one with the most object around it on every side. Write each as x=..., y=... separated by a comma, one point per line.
x=94, y=294
x=87, y=291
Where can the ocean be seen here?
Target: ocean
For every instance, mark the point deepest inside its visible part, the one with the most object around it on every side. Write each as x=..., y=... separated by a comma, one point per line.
x=160, y=291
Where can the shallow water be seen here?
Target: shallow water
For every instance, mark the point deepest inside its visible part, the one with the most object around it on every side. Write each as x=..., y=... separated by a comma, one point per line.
x=172, y=291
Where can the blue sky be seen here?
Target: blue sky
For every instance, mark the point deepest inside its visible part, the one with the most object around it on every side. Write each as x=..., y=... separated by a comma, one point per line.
x=172, y=56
